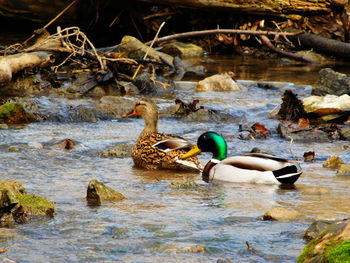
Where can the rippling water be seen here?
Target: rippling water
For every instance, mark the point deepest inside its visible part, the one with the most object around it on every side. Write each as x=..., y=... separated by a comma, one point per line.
x=156, y=222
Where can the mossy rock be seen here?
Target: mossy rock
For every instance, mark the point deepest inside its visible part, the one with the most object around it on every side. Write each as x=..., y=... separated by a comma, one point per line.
x=331, y=246
x=14, y=113
x=17, y=206
x=97, y=192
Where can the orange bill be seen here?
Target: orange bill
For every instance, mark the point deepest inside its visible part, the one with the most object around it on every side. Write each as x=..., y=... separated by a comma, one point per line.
x=130, y=114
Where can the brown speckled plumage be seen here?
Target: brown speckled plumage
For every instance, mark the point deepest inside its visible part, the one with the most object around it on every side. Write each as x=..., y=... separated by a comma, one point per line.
x=145, y=154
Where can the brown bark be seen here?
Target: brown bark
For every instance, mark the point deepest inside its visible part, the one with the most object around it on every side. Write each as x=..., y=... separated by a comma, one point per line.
x=276, y=7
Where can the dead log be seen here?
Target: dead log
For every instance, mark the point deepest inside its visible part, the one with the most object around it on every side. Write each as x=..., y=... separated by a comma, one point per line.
x=323, y=45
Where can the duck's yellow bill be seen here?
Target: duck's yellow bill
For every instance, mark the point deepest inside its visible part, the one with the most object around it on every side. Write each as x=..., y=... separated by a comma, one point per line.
x=130, y=114
x=194, y=151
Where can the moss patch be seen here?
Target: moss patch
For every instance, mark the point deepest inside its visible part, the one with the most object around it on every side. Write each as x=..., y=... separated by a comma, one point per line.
x=339, y=254
x=36, y=205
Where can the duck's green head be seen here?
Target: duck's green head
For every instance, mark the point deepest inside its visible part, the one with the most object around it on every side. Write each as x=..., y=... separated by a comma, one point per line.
x=209, y=142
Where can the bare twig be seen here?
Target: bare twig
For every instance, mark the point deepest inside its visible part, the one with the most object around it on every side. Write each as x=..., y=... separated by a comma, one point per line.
x=221, y=31
x=149, y=48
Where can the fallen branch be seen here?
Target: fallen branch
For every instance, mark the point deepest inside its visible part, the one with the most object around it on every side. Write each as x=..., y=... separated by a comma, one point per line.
x=222, y=31
x=12, y=64
x=268, y=44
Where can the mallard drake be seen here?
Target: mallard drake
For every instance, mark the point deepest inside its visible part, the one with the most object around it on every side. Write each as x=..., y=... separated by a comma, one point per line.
x=154, y=150
x=249, y=168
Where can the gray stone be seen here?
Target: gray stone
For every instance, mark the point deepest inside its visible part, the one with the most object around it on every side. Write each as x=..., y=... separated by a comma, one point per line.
x=331, y=82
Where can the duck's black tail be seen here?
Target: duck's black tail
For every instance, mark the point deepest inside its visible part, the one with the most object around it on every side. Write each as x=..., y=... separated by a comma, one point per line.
x=288, y=174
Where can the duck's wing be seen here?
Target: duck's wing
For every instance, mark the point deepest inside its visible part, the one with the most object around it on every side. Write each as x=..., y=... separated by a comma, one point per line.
x=256, y=162
x=173, y=143
x=266, y=156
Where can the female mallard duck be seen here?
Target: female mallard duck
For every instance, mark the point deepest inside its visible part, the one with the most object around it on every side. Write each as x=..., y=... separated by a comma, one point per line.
x=155, y=150
x=249, y=168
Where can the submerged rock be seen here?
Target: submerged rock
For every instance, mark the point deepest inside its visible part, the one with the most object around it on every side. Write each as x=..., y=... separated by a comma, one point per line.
x=178, y=248
x=97, y=193
x=218, y=82
x=280, y=214
x=331, y=245
x=184, y=184
x=331, y=82
x=120, y=150
x=344, y=170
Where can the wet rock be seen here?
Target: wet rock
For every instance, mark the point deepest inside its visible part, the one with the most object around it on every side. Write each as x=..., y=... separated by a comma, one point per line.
x=178, y=248
x=345, y=132
x=66, y=144
x=333, y=162
x=97, y=193
x=280, y=214
x=97, y=91
x=18, y=206
x=127, y=87
x=113, y=106
x=184, y=50
x=320, y=133
x=14, y=113
x=120, y=150
x=149, y=84
x=73, y=89
x=344, y=170
x=218, y=82
x=331, y=245
x=224, y=261
x=82, y=114
x=3, y=126
x=331, y=82
x=316, y=228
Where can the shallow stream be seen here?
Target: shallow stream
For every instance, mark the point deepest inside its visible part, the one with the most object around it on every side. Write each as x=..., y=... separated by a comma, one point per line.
x=157, y=222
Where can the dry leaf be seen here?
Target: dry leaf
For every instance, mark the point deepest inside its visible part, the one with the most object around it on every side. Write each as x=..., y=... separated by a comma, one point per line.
x=303, y=123
x=260, y=129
